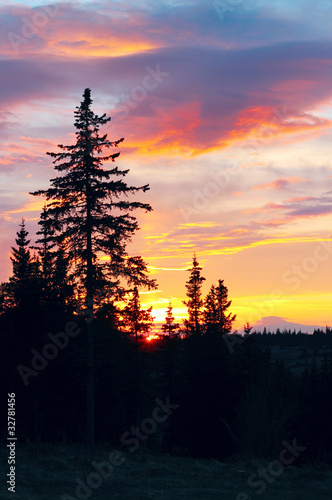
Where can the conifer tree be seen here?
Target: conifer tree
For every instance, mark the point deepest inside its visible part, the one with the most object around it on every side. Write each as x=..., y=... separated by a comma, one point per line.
x=90, y=213
x=169, y=326
x=24, y=270
x=21, y=256
x=194, y=303
x=216, y=308
x=135, y=319
x=57, y=286
x=89, y=210
x=247, y=328
x=46, y=250
x=13, y=292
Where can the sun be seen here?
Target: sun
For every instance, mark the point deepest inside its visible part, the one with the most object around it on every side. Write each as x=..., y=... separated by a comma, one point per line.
x=151, y=337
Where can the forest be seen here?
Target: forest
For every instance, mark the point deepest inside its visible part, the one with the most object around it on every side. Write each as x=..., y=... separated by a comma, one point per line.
x=84, y=359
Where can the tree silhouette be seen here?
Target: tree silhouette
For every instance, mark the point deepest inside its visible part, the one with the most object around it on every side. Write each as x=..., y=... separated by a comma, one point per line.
x=247, y=328
x=91, y=219
x=135, y=319
x=216, y=309
x=56, y=282
x=21, y=256
x=169, y=326
x=46, y=241
x=194, y=302
x=24, y=285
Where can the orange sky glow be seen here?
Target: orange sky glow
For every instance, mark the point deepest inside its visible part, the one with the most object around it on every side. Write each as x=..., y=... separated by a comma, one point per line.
x=230, y=124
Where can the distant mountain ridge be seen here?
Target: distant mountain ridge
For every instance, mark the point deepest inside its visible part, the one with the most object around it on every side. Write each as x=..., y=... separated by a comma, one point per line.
x=272, y=323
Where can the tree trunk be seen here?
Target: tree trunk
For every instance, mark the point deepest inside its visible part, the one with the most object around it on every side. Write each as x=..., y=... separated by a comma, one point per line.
x=90, y=390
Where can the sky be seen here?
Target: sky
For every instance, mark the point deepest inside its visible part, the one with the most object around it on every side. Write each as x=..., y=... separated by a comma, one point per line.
x=226, y=111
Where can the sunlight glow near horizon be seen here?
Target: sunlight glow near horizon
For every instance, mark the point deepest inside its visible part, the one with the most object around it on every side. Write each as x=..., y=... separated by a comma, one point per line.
x=233, y=136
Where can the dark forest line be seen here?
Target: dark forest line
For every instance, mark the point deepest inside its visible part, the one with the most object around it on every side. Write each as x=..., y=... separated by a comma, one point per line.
x=227, y=395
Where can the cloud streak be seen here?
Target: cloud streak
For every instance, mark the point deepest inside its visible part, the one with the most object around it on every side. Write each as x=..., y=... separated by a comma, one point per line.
x=246, y=100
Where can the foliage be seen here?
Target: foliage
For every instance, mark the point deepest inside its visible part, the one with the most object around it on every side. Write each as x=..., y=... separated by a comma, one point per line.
x=24, y=288
x=194, y=303
x=169, y=327
x=216, y=307
x=89, y=213
x=88, y=216
x=136, y=320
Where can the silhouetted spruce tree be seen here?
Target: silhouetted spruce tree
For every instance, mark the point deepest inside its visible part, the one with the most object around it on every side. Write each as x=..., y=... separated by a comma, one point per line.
x=91, y=216
x=216, y=309
x=247, y=328
x=169, y=326
x=22, y=298
x=194, y=303
x=21, y=256
x=46, y=248
x=135, y=319
x=56, y=282
x=24, y=284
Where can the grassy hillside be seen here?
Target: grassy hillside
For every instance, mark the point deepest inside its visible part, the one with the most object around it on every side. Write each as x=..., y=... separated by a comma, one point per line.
x=298, y=358
x=48, y=472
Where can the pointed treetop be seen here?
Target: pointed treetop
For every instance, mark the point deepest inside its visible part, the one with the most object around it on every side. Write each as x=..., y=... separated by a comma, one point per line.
x=194, y=302
x=87, y=97
x=169, y=326
x=21, y=256
x=22, y=234
x=87, y=101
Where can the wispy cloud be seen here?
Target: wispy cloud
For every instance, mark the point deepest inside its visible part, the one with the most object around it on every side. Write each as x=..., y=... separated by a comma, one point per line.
x=247, y=99
x=280, y=184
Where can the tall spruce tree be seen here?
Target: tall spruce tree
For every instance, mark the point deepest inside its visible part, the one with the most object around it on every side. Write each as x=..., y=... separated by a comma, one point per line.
x=90, y=213
x=194, y=303
x=216, y=305
x=169, y=326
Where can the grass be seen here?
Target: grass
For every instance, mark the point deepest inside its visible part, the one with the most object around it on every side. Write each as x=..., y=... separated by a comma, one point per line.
x=294, y=359
x=47, y=472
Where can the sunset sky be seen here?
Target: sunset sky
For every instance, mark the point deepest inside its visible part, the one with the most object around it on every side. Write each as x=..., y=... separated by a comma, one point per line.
x=226, y=110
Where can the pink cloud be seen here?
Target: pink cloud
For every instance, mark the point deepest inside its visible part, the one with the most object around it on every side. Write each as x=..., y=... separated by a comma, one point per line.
x=280, y=184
